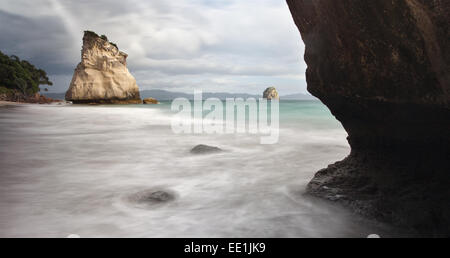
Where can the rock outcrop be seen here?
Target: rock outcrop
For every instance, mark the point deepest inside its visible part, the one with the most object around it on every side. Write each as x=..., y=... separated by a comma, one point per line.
x=150, y=101
x=205, y=149
x=383, y=69
x=102, y=76
x=151, y=198
x=271, y=93
x=36, y=98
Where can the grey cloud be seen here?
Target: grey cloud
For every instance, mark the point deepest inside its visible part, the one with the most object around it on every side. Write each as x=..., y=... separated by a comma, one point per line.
x=41, y=40
x=179, y=42
x=199, y=66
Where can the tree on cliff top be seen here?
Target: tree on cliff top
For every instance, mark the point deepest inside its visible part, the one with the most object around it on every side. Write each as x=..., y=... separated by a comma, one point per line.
x=104, y=37
x=21, y=75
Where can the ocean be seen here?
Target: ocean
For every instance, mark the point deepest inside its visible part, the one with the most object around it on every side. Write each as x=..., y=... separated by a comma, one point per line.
x=82, y=170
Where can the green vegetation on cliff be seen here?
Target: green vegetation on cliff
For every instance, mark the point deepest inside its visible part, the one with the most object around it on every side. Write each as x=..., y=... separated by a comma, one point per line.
x=104, y=37
x=20, y=76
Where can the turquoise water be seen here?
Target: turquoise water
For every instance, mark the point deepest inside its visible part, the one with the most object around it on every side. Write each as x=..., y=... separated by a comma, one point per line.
x=77, y=170
x=301, y=112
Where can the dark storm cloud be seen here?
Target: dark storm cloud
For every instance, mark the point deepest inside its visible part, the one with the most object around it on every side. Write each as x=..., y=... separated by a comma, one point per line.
x=239, y=43
x=41, y=40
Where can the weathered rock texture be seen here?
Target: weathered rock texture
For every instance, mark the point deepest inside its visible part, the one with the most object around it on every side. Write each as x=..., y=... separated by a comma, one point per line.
x=271, y=93
x=102, y=75
x=382, y=68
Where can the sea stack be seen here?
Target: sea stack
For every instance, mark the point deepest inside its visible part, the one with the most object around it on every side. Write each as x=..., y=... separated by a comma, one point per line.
x=383, y=69
x=271, y=93
x=102, y=76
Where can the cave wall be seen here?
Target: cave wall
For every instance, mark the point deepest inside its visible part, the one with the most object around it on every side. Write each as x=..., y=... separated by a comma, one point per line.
x=383, y=69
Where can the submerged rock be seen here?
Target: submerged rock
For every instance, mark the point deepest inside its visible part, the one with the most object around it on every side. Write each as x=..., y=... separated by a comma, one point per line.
x=150, y=101
x=271, y=93
x=205, y=149
x=158, y=196
x=102, y=75
x=148, y=198
x=383, y=69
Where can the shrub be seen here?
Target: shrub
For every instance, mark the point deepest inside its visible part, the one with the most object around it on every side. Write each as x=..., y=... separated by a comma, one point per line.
x=104, y=37
x=21, y=75
x=6, y=91
x=114, y=44
x=90, y=33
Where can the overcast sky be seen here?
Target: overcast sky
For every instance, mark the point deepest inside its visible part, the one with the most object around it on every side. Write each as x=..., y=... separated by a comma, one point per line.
x=240, y=46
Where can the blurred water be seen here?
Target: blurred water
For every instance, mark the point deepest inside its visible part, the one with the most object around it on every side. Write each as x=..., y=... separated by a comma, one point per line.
x=75, y=169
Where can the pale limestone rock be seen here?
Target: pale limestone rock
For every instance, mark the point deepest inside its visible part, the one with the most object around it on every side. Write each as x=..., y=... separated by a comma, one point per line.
x=102, y=75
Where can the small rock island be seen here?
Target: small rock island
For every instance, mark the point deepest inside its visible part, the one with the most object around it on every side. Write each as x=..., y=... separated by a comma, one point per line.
x=271, y=93
x=102, y=76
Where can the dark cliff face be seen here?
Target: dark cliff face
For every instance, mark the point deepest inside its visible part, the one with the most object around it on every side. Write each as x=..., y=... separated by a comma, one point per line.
x=383, y=69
